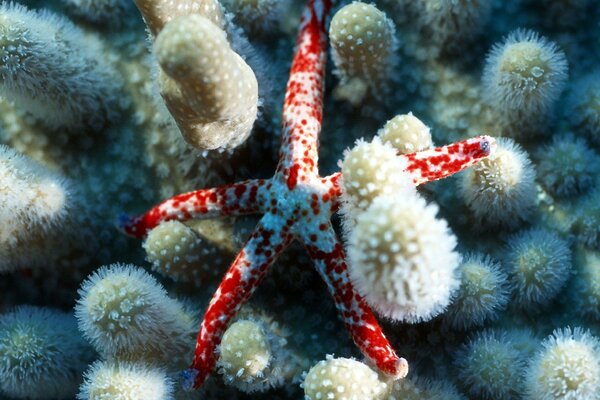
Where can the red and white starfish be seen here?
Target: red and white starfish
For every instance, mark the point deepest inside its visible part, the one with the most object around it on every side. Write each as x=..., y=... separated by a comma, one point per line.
x=297, y=203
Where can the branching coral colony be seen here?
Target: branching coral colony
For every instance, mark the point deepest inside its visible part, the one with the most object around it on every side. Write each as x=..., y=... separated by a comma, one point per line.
x=472, y=278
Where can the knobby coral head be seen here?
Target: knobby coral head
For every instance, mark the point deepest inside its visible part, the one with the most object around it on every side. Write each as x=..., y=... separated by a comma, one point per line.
x=303, y=215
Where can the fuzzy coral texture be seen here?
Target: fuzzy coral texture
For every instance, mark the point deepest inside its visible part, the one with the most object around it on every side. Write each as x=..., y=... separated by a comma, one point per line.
x=484, y=285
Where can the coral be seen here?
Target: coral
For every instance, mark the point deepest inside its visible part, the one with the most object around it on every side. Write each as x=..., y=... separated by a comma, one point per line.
x=257, y=16
x=586, y=220
x=343, y=379
x=125, y=313
x=51, y=69
x=406, y=133
x=449, y=23
x=41, y=354
x=178, y=252
x=500, y=191
x=416, y=388
x=125, y=381
x=567, y=166
x=363, y=44
x=38, y=208
x=209, y=89
x=587, y=283
x=297, y=203
x=99, y=11
x=402, y=258
x=584, y=107
x=490, y=367
x=371, y=170
x=159, y=12
x=538, y=263
x=130, y=160
x=522, y=79
x=245, y=354
x=253, y=356
x=568, y=367
x=483, y=292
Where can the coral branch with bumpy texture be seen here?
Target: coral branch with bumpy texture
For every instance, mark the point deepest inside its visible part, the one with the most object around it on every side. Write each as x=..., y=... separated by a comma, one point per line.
x=50, y=68
x=157, y=13
x=298, y=203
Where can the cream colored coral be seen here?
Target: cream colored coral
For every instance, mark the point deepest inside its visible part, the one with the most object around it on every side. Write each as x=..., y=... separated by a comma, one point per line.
x=125, y=381
x=501, y=189
x=37, y=206
x=363, y=43
x=209, y=89
x=157, y=13
x=245, y=352
x=406, y=133
x=343, y=379
x=125, y=313
x=568, y=367
x=174, y=250
x=402, y=258
x=371, y=170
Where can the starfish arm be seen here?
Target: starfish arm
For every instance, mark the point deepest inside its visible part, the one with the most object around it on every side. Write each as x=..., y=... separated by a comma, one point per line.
x=441, y=162
x=303, y=104
x=268, y=240
x=333, y=183
x=429, y=165
x=328, y=255
x=240, y=198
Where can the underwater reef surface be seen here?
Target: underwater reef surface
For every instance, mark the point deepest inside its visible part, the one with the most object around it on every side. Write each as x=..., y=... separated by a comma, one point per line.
x=391, y=199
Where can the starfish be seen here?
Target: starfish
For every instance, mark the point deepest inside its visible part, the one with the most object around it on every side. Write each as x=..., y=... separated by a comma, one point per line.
x=297, y=204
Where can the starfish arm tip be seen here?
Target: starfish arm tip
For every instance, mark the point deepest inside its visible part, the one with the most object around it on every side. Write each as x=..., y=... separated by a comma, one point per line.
x=401, y=368
x=188, y=379
x=488, y=145
x=129, y=225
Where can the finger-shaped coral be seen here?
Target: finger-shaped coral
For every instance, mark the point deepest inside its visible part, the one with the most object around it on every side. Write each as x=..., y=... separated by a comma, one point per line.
x=490, y=366
x=209, y=89
x=55, y=71
x=587, y=283
x=567, y=368
x=447, y=23
x=402, y=259
x=371, y=170
x=257, y=16
x=125, y=381
x=343, y=378
x=406, y=133
x=38, y=208
x=41, y=354
x=483, y=292
x=100, y=11
x=501, y=191
x=124, y=312
x=539, y=264
x=363, y=44
x=157, y=13
x=522, y=79
x=567, y=166
x=254, y=356
x=586, y=221
x=584, y=107
x=177, y=251
x=245, y=354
